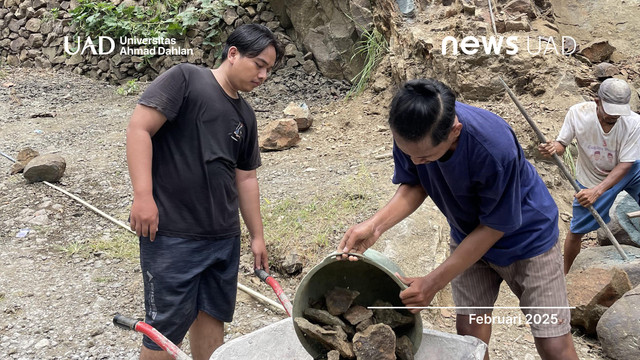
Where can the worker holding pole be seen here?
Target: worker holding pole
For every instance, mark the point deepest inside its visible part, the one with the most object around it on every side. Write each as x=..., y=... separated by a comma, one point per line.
x=608, y=136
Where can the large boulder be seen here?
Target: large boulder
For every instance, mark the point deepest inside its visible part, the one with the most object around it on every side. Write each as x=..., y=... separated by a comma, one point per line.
x=619, y=327
x=592, y=292
x=48, y=167
x=624, y=229
x=607, y=257
x=329, y=29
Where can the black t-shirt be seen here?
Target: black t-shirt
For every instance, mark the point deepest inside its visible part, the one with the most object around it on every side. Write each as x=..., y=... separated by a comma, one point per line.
x=208, y=134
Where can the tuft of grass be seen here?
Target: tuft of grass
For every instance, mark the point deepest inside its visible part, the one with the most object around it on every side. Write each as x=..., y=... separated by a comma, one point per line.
x=120, y=245
x=73, y=248
x=373, y=46
x=130, y=88
x=313, y=225
x=117, y=245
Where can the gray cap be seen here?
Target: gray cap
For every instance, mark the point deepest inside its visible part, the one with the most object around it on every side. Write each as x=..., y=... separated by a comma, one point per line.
x=615, y=95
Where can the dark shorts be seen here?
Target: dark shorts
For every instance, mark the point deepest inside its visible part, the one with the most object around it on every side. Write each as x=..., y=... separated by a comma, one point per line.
x=184, y=276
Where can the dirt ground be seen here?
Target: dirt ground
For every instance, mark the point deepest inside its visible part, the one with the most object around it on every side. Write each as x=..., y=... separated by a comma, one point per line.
x=56, y=302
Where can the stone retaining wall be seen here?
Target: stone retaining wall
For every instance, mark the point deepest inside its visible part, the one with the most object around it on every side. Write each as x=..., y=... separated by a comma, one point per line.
x=32, y=34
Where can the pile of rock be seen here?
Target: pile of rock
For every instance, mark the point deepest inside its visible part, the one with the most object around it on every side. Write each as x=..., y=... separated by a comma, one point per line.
x=604, y=290
x=36, y=167
x=283, y=134
x=352, y=331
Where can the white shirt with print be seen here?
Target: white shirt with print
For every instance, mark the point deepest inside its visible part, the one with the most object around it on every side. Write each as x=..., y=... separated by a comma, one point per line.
x=599, y=152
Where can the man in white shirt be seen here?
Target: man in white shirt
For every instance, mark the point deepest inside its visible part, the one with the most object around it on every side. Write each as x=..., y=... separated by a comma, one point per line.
x=608, y=135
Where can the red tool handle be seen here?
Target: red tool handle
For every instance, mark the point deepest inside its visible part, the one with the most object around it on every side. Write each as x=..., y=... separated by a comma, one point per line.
x=284, y=300
x=142, y=327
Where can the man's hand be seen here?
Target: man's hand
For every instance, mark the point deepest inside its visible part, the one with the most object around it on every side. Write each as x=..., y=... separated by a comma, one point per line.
x=358, y=239
x=547, y=149
x=587, y=197
x=420, y=292
x=144, y=216
x=260, y=256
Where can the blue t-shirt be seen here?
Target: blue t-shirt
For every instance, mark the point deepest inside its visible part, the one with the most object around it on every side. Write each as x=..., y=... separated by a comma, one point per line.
x=488, y=181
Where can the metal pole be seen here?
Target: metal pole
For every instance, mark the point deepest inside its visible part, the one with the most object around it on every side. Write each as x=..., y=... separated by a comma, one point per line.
x=253, y=293
x=493, y=20
x=566, y=172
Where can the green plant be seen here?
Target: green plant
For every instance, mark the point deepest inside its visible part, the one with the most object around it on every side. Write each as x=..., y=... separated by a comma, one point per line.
x=106, y=19
x=373, y=46
x=51, y=15
x=311, y=224
x=73, y=248
x=160, y=18
x=120, y=245
x=130, y=88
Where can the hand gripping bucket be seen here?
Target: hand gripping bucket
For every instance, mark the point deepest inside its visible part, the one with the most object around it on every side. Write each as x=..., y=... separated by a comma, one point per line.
x=372, y=275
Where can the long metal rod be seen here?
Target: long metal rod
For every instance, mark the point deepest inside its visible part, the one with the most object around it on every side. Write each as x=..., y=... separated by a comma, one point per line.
x=566, y=172
x=493, y=20
x=253, y=293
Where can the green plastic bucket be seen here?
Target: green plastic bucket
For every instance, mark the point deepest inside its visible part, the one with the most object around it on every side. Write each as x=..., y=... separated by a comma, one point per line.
x=372, y=275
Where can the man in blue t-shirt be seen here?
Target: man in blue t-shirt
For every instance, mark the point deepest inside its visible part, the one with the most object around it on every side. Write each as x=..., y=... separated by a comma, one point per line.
x=504, y=223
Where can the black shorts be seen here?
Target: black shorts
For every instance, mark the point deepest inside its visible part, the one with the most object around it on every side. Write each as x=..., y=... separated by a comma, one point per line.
x=184, y=276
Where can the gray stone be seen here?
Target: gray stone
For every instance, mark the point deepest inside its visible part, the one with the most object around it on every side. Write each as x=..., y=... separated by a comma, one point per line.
x=103, y=65
x=279, y=135
x=229, y=16
x=518, y=25
x=35, y=40
x=33, y=25
x=12, y=60
x=36, y=4
x=376, y=342
x=299, y=113
x=48, y=167
x=607, y=257
x=605, y=70
x=339, y=300
x=624, y=229
x=469, y=9
x=619, y=328
x=517, y=7
x=390, y=317
x=404, y=348
x=592, y=292
x=75, y=59
x=42, y=62
x=15, y=25
x=357, y=314
x=323, y=317
x=364, y=324
x=267, y=16
x=333, y=355
x=18, y=44
x=310, y=67
x=290, y=50
x=292, y=264
x=333, y=339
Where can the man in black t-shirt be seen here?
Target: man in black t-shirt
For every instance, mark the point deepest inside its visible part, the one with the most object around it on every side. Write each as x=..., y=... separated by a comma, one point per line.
x=192, y=150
